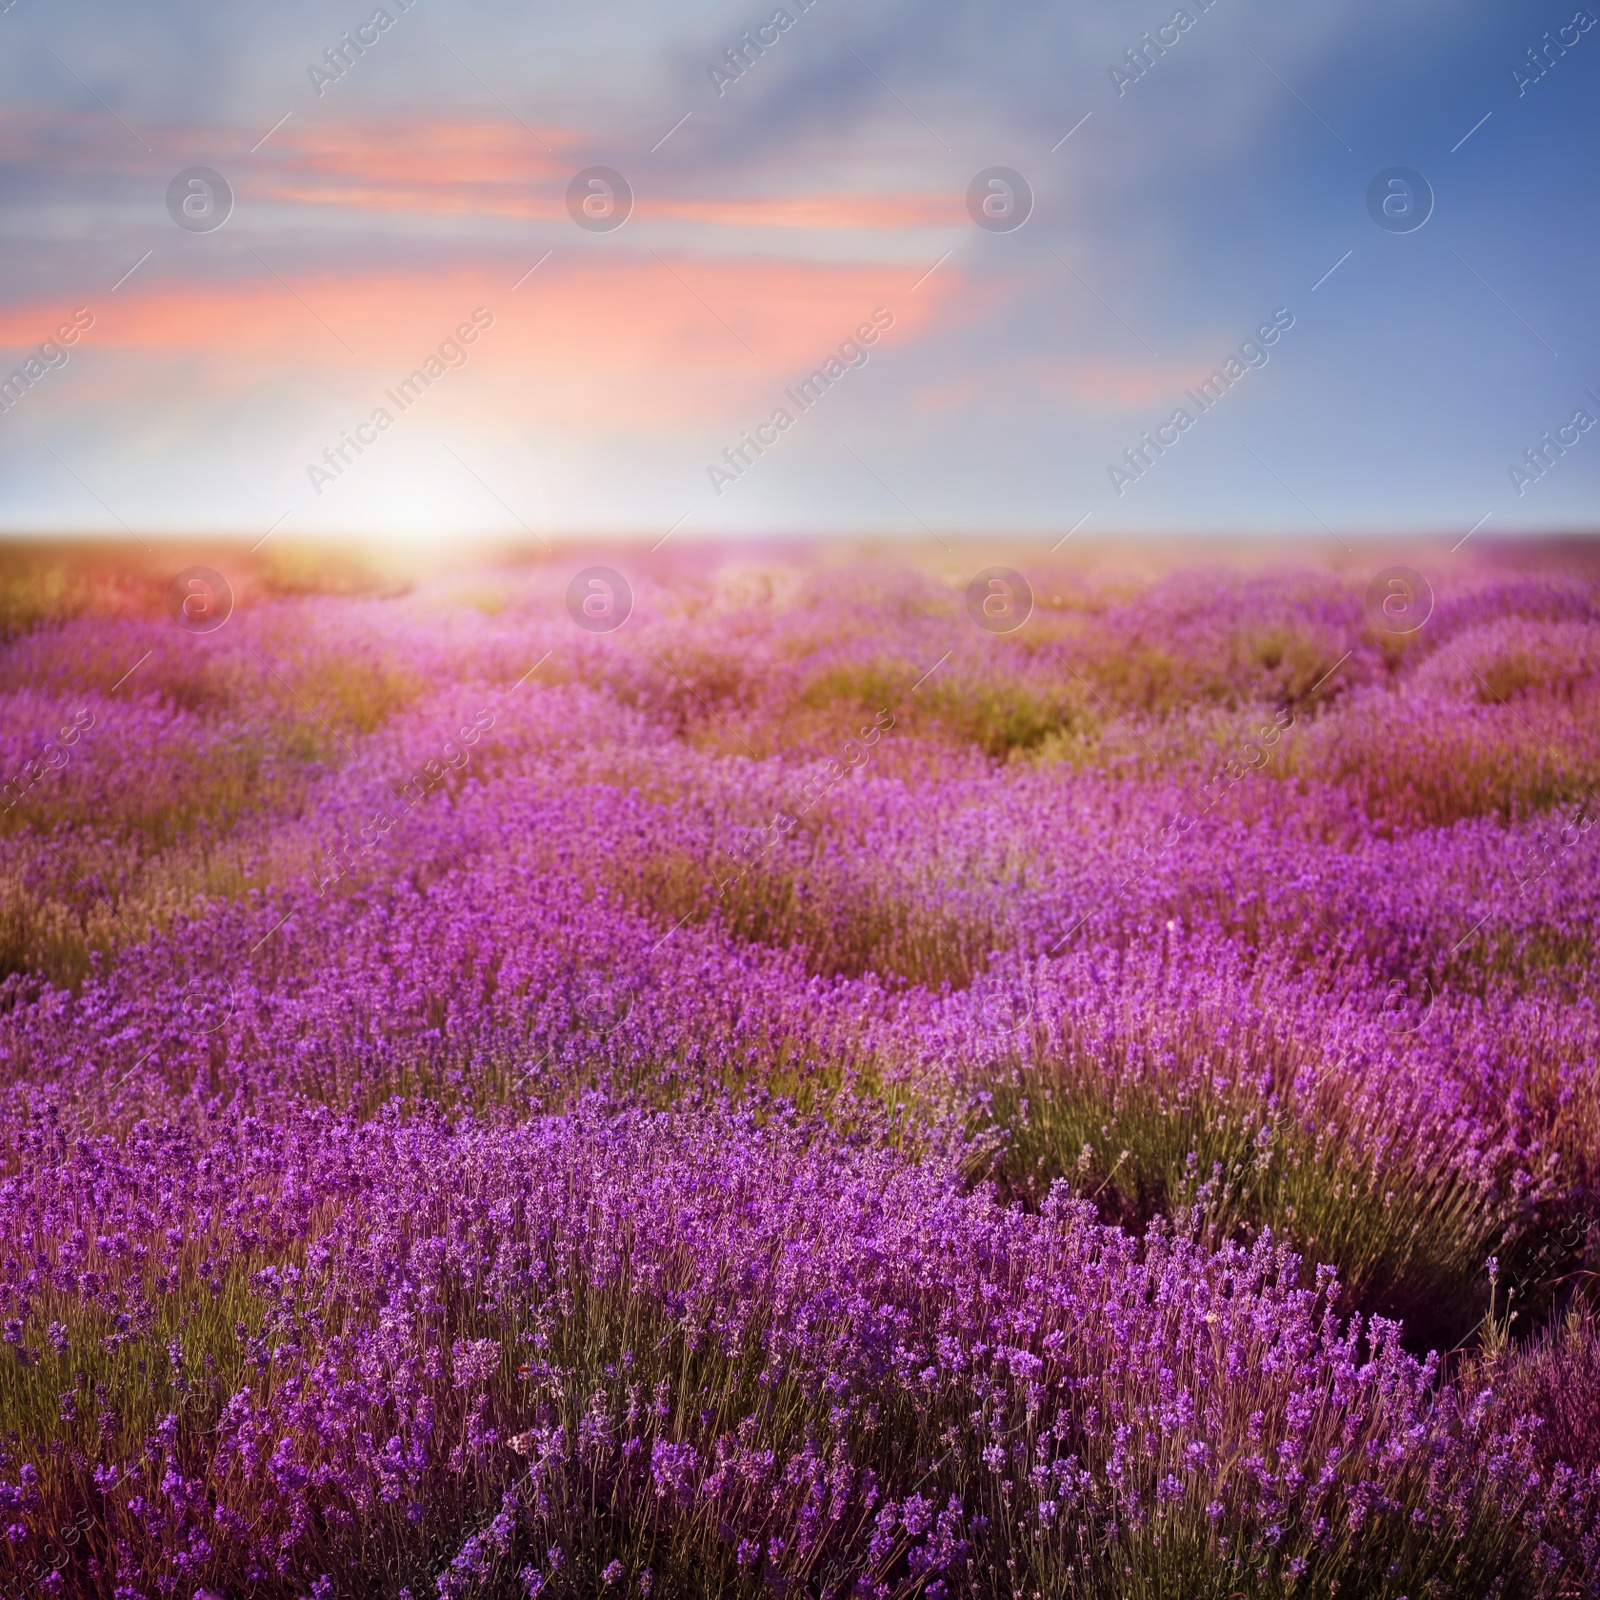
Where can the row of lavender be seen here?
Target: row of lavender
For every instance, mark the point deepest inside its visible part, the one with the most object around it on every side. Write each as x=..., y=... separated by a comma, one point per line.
x=803, y=1094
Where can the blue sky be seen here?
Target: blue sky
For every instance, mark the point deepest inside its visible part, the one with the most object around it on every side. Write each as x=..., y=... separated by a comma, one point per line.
x=1172, y=216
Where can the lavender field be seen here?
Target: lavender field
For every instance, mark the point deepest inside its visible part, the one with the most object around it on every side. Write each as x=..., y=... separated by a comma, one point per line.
x=804, y=1092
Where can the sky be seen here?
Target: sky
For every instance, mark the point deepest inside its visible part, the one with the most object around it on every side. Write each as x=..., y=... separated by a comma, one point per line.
x=802, y=185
